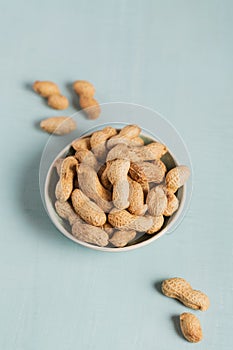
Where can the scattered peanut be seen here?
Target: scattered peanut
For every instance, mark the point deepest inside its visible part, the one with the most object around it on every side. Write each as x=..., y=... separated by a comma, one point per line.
x=191, y=327
x=45, y=88
x=177, y=177
x=64, y=186
x=58, y=101
x=87, y=210
x=86, y=92
x=117, y=175
x=58, y=125
x=180, y=289
x=122, y=238
x=90, y=234
x=124, y=220
x=156, y=201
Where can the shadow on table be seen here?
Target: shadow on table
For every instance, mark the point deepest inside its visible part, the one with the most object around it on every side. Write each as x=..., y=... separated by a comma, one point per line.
x=176, y=323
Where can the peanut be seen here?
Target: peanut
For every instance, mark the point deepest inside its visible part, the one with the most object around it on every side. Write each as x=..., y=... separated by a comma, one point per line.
x=64, y=186
x=153, y=151
x=83, y=87
x=103, y=175
x=57, y=101
x=136, y=198
x=91, y=106
x=98, y=141
x=57, y=165
x=124, y=220
x=90, y=234
x=90, y=185
x=86, y=157
x=145, y=171
x=107, y=227
x=157, y=224
x=117, y=175
x=156, y=201
x=58, y=125
x=180, y=289
x=125, y=136
x=86, y=92
x=191, y=327
x=177, y=177
x=122, y=238
x=87, y=210
x=172, y=203
x=81, y=143
x=66, y=212
x=45, y=88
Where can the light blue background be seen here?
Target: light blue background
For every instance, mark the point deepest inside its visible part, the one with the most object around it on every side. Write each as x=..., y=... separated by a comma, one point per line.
x=173, y=56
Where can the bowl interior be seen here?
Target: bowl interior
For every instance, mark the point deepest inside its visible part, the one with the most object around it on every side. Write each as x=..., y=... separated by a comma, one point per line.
x=141, y=238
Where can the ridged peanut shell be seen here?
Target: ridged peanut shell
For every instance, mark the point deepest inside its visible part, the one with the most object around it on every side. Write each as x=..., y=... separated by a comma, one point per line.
x=66, y=212
x=58, y=125
x=98, y=141
x=136, y=198
x=58, y=101
x=83, y=87
x=90, y=234
x=82, y=143
x=124, y=220
x=122, y=238
x=157, y=224
x=91, y=106
x=45, y=88
x=156, y=201
x=180, y=289
x=172, y=203
x=64, y=186
x=177, y=177
x=87, y=210
x=191, y=327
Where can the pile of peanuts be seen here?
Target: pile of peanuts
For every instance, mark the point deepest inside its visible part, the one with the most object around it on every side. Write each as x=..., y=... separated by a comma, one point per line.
x=63, y=125
x=114, y=187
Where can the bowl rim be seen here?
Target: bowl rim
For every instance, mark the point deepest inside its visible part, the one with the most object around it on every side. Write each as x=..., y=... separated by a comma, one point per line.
x=54, y=216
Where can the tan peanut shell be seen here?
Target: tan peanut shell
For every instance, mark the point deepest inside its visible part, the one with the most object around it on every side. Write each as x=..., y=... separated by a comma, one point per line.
x=90, y=185
x=66, y=212
x=117, y=175
x=86, y=157
x=81, y=143
x=125, y=135
x=157, y=224
x=122, y=238
x=153, y=151
x=58, y=125
x=156, y=201
x=136, y=198
x=45, y=88
x=177, y=177
x=64, y=186
x=103, y=175
x=91, y=106
x=172, y=203
x=180, y=289
x=107, y=227
x=191, y=327
x=90, y=234
x=146, y=171
x=98, y=141
x=87, y=210
x=58, y=164
x=58, y=101
x=124, y=220
x=83, y=87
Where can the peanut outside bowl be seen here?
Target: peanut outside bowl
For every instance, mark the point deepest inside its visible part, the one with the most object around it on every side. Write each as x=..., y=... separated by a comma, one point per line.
x=177, y=155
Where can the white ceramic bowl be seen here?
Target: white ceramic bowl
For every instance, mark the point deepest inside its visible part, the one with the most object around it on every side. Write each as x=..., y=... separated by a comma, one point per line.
x=49, y=178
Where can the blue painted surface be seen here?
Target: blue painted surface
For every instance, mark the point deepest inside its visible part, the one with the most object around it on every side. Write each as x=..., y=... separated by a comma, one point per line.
x=172, y=56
